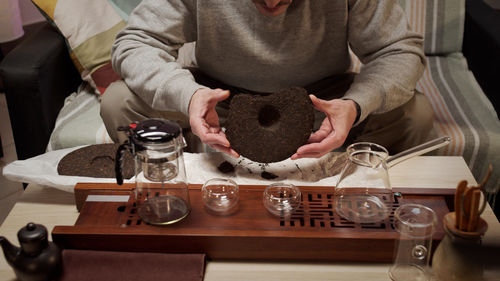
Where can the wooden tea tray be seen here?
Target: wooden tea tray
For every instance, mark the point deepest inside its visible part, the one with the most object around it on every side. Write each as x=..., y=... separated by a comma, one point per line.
x=314, y=232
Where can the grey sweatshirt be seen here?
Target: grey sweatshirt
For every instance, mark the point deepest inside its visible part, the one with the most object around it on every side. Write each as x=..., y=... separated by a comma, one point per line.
x=240, y=47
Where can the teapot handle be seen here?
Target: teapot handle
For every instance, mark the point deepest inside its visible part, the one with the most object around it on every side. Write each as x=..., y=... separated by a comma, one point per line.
x=119, y=163
x=417, y=150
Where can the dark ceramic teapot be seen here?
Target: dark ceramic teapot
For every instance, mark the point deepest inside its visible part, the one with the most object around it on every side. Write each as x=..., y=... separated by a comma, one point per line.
x=37, y=258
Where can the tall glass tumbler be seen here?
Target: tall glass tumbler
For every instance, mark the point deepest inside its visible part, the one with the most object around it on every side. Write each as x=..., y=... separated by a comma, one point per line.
x=415, y=224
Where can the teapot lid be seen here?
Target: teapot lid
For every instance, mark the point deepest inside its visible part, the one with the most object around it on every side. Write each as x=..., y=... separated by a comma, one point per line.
x=33, y=238
x=154, y=131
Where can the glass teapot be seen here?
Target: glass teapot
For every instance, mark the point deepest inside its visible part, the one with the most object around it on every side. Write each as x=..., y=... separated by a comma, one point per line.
x=161, y=191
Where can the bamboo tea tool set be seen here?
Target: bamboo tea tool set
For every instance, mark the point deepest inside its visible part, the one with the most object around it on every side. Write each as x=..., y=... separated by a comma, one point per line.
x=469, y=203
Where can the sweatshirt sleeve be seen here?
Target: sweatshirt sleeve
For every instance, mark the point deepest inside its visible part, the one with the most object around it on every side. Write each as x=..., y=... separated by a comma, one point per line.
x=144, y=53
x=392, y=54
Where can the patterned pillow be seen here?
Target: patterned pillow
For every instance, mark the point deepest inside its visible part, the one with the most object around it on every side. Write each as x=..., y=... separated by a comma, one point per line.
x=79, y=121
x=90, y=28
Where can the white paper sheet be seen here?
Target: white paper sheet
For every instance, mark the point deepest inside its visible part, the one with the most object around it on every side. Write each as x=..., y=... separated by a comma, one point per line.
x=200, y=167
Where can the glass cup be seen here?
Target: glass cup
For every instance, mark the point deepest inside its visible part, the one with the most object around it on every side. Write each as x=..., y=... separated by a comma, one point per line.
x=282, y=199
x=415, y=224
x=220, y=195
x=363, y=192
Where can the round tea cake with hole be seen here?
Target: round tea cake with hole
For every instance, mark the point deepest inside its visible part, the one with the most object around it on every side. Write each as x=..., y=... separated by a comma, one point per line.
x=270, y=128
x=97, y=161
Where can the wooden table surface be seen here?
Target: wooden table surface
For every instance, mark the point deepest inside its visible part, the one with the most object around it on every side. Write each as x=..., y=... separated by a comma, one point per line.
x=51, y=207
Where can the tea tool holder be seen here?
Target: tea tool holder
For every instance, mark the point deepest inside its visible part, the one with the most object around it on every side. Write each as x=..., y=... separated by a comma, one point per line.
x=458, y=256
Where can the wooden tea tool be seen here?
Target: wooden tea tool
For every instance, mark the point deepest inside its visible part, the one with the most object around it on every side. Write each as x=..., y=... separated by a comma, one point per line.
x=458, y=203
x=467, y=204
x=474, y=210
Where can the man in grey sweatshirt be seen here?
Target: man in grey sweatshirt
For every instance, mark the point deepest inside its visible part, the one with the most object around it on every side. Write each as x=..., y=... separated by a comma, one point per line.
x=265, y=45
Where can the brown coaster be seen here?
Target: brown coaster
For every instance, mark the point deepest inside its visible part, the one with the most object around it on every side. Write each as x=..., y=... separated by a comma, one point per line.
x=97, y=161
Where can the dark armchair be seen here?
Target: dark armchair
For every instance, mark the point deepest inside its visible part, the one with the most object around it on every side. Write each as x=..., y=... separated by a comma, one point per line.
x=37, y=76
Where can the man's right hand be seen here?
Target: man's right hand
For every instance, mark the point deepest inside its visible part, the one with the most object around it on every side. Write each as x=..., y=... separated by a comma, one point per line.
x=340, y=116
x=204, y=120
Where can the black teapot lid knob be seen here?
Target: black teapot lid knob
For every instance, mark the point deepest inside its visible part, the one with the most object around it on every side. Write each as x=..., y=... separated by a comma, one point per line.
x=30, y=226
x=33, y=238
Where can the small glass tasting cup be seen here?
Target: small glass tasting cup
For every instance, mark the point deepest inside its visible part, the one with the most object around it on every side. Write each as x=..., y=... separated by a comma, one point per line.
x=220, y=195
x=282, y=199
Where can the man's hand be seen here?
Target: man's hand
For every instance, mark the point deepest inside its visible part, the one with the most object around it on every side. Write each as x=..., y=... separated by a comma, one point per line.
x=204, y=120
x=340, y=116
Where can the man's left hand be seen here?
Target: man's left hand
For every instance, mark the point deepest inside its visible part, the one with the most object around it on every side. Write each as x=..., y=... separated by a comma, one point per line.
x=340, y=116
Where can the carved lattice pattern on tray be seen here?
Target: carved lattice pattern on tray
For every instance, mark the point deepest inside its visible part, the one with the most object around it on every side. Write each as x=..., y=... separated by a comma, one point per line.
x=316, y=210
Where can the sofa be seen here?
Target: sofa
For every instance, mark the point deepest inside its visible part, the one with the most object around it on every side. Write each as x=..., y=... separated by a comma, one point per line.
x=54, y=79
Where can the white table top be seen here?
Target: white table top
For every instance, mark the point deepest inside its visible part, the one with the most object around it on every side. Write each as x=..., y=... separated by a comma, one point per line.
x=51, y=207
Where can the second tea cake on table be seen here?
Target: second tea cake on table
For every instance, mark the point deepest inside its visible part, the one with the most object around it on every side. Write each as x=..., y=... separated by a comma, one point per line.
x=97, y=161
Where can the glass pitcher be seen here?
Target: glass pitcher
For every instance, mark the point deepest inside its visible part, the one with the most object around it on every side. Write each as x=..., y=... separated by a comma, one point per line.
x=363, y=192
x=161, y=191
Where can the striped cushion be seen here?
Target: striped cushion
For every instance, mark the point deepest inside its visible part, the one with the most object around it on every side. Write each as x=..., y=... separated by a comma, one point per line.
x=90, y=28
x=440, y=21
x=462, y=111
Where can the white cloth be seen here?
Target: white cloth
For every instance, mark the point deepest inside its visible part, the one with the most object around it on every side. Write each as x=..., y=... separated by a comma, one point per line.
x=200, y=167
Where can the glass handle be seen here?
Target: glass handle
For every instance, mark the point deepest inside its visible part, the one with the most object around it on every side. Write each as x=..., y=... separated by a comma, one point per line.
x=119, y=163
x=417, y=150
